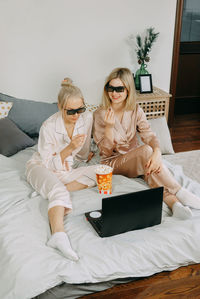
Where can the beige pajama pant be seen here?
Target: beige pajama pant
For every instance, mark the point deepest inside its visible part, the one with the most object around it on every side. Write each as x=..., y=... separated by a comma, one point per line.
x=132, y=164
x=51, y=185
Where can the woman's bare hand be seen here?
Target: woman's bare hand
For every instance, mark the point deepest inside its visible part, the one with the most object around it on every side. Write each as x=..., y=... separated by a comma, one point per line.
x=154, y=164
x=109, y=118
x=66, y=165
x=77, y=141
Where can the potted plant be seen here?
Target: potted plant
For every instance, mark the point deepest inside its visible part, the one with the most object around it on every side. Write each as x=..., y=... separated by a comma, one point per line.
x=143, y=49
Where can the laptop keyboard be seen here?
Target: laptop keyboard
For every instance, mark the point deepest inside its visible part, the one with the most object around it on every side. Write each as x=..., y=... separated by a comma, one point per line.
x=98, y=223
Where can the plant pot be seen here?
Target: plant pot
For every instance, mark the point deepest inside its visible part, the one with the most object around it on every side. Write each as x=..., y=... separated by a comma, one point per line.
x=141, y=71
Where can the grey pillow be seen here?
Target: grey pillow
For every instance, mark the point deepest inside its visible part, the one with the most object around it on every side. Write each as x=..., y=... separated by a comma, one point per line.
x=29, y=115
x=13, y=139
x=160, y=128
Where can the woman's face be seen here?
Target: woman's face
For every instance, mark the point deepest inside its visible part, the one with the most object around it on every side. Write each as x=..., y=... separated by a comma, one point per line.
x=68, y=113
x=115, y=96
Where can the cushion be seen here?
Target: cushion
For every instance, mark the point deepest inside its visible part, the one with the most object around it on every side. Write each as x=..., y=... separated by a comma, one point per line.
x=12, y=138
x=5, y=108
x=29, y=115
x=160, y=128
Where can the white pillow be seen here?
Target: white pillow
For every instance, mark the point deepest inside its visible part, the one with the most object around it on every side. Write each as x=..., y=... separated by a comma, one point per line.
x=160, y=128
x=5, y=108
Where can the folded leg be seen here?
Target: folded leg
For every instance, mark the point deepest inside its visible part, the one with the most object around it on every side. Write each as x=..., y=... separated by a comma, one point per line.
x=133, y=164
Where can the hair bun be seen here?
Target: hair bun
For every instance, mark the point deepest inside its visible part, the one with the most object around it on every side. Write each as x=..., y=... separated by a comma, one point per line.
x=66, y=81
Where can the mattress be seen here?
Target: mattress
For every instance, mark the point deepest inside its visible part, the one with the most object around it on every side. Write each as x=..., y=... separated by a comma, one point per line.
x=18, y=208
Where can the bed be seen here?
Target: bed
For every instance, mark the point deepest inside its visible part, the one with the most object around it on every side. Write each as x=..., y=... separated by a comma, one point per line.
x=30, y=269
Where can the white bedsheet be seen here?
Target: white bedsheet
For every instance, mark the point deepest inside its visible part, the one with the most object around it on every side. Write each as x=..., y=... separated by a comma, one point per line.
x=29, y=267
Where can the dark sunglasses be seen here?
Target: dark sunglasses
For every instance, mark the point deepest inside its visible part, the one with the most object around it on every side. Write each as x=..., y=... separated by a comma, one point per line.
x=110, y=88
x=74, y=111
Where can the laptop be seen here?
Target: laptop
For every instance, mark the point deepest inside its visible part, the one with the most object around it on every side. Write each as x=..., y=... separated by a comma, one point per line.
x=126, y=212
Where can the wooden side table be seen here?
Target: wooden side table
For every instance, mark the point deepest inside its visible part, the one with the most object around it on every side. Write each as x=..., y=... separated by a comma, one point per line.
x=154, y=104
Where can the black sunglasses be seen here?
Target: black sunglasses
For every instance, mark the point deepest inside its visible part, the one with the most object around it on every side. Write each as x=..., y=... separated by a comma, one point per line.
x=110, y=88
x=74, y=111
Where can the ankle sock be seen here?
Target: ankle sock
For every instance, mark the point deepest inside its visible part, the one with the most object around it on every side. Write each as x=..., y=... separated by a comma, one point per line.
x=188, y=199
x=181, y=212
x=61, y=242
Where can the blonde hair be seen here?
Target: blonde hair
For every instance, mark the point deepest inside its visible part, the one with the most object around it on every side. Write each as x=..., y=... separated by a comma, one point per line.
x=125, y=75
x=67, y=91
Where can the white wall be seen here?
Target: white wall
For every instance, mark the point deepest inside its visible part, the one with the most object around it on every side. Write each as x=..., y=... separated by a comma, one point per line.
x=42, y=41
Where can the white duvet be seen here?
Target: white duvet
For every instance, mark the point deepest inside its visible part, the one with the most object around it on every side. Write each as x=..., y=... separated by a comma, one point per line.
x=28, y=267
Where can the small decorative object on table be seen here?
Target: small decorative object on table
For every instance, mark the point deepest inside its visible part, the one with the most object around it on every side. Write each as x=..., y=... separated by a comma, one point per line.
x=145, y=83
x=142, y=51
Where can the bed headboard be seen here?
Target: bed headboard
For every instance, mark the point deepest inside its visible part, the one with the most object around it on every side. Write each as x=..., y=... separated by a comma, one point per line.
x=154, y=104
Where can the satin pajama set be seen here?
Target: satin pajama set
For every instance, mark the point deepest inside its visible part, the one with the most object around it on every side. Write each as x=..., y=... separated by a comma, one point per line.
x=45, y=171
x=125, y=155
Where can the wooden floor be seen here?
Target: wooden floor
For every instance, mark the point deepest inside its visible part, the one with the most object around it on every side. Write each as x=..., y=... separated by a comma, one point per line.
x=185, y=281
x=181, y=283
x=185, y=132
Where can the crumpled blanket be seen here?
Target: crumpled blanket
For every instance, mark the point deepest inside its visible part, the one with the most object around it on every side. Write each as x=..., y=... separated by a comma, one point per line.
x=29, y=267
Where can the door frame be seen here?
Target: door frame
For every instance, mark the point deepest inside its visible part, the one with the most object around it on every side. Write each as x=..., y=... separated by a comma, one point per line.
x=175, y=58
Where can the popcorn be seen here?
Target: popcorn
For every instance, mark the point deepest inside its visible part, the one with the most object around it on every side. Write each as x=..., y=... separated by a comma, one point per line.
x=103, y=169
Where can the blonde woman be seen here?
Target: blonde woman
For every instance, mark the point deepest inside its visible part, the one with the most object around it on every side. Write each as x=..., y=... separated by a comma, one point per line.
x=63, y=136
x=115, y=125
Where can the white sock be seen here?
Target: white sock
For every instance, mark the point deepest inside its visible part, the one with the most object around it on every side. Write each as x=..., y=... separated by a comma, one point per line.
x=188, y=199
x=181, y=212
x=61, y=242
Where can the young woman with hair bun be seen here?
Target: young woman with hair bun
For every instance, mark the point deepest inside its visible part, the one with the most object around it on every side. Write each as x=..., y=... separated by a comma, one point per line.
x=63, y=137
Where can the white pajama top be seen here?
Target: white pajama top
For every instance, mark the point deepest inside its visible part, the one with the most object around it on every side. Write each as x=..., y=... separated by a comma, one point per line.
x=53, y=138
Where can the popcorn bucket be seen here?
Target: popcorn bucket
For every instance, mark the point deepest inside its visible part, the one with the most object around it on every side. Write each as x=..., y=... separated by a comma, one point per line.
x=104, y=179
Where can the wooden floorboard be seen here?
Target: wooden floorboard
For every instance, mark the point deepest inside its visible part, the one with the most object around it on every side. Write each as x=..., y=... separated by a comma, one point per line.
x=185, y=281
x=185, y=132
x=181, y=283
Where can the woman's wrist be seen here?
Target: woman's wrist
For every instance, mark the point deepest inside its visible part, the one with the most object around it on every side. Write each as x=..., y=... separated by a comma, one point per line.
x=109, y=133
x=70, y=147
x=109, y=126
x=66, y=152
x=157, y=150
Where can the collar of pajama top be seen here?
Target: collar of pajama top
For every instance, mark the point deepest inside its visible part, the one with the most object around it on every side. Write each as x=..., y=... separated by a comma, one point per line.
x=122, y=128
x=60, y=127
x=124, y=133
x=50, y=156
x=125, y=138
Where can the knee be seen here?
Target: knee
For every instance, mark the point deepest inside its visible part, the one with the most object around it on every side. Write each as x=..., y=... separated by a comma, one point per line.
x=32, y=172
x=146, y=151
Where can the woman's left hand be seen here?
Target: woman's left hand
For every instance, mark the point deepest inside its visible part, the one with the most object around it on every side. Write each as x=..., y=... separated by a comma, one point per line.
x=154, y=163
